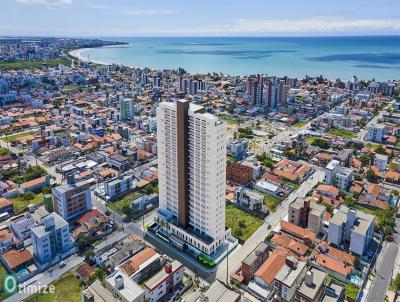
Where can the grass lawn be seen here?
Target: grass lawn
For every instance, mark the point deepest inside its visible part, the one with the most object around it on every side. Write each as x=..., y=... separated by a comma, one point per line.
x=2, y=271
x=32, y=64
x=14, y=137
x=67, y=289
x=62, y=133
x=292, y=184
x=351, y=291
x=299, y=124
x=342, y=133
x=270, y=202
x=118, y=205
x=20, y=204
x=234, y=215
x=310, y=139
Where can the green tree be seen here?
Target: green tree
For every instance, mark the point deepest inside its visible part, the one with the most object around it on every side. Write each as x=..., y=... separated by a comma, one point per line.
x=371, y=176
x=89, y=254
x=4, y=151
x=28, y=196
x=319, y=142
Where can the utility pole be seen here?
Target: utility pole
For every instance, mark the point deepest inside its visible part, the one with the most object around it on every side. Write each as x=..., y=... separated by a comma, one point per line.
x=227, y=264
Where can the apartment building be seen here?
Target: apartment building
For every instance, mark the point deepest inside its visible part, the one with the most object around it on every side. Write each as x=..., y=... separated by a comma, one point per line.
x=312, y=289
x=375, y=133
x=51, y=238
x=306, y=214
x=381, y=161
x=289, y=278
x=191, y=162
x=239, y=174
x=253, y=261
x=355, y=227
x=118, y=187
x=338, y=176
x=72, y=199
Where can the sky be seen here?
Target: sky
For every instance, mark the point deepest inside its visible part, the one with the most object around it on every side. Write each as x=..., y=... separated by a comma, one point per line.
x=130, y=18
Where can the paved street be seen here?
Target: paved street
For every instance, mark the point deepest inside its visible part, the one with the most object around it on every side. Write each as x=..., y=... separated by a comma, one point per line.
x=238, y=255
x=384, y=268
x=31, y=160
x=46, y=278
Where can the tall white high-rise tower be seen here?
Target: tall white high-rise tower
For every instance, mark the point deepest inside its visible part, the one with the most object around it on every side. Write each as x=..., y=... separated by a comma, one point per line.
x=192, y=173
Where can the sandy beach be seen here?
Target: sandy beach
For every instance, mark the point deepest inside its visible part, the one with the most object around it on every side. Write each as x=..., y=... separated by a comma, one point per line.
x=78, y=54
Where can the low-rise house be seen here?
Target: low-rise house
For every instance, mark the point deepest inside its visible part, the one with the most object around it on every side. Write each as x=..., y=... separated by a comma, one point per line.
x=298, y=232
x=118, y=162
x=142, y=265
x=249, y=199
x=15, y=260
x=265, y=275
x=93, y=223
x=164, y=281
x=124, y=288
x=35, y=184
x=112, y=256
x=85, y=273
x=7, y=240
x=144, y=201
x=22, y=227
x=6, y=205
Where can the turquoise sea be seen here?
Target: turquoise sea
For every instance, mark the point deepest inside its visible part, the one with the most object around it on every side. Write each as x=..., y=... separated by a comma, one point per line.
x=368, y=57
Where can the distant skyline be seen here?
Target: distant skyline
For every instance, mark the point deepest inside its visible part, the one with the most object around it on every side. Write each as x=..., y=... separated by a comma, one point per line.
x=129, y=18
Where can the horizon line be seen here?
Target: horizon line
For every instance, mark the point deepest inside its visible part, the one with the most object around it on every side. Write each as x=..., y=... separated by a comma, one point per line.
x=201, y=36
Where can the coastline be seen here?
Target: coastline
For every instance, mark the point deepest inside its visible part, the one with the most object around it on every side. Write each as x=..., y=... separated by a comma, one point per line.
x=77, y=54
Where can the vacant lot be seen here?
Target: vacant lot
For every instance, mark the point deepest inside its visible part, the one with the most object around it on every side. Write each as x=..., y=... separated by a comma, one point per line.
x=20, y=203
x=118, y=205
x=342, y=133
x=67, y=289
x=242, y=224
x=299, y=124
x=14, y=137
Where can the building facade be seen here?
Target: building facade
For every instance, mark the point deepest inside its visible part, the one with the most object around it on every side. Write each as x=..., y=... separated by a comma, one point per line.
x=51, y=238
x=72, y=199
x=191, y=163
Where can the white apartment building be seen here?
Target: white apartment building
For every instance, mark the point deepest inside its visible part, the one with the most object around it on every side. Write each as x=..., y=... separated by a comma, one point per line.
x=51, y=238
x=350, y=225
x=338, y=176
x=381, y=161
x=192, y=173
x=375, y=133
x=119, y=186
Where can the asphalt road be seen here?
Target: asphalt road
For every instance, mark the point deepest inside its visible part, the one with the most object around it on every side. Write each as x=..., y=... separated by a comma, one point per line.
x=384, y=268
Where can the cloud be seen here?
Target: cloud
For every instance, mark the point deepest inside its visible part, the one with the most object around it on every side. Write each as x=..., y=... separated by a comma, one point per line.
x=313, y=25
x=46, y=2
x=150, y=12
x=135, y=12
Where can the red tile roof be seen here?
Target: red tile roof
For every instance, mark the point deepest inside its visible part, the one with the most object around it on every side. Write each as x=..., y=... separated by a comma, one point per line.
x=15, y=258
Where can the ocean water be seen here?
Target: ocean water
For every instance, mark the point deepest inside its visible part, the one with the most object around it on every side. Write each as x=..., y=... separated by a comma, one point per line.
x=372, y=57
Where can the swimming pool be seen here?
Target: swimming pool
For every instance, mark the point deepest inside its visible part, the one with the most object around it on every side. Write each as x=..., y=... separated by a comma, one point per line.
x=355, y=279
